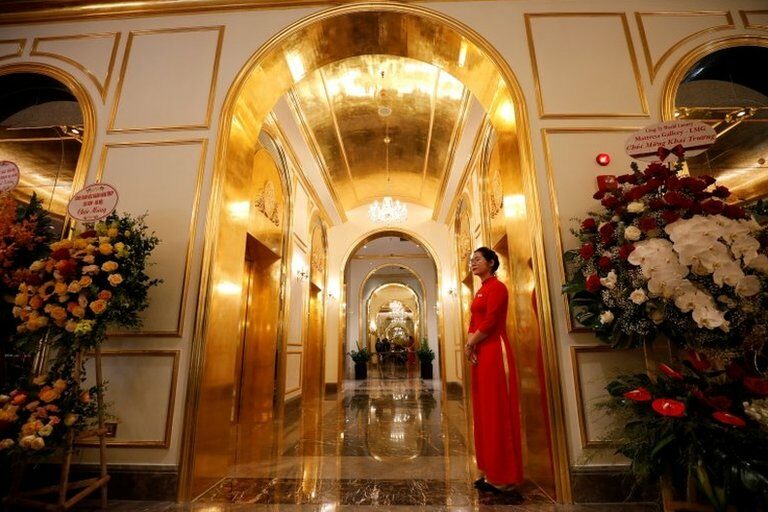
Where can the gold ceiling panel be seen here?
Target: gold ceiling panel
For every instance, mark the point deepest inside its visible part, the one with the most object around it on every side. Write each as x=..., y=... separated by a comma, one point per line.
x=339, y=104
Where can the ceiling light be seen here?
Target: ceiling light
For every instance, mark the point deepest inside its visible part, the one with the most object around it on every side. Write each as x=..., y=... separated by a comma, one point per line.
x=388, y=211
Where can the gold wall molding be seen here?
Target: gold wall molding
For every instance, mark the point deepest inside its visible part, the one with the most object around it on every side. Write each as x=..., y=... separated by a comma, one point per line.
x=205, y=124
x=102, y=84
x=301, y=243
x=653, y=67
x=578, y=384
x=301, y=369
x=86, y=104
x=165, y=442
x=203, y=143
x=554, y=202
x=20, y=43
x=744, y=15
x=543, y=114
x=669, y=92
x=388, y=256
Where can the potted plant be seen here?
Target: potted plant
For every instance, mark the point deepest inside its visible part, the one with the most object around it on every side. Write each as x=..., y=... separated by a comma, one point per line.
x=426, y=355
x=361, y=356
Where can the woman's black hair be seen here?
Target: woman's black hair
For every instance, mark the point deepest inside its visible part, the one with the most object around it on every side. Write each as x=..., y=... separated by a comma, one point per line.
x=490, y=256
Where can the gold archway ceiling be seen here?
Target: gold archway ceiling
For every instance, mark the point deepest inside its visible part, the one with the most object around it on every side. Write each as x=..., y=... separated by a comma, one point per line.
x=338, y=106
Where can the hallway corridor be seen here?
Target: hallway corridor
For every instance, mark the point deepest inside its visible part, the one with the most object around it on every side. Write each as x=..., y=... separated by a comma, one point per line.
x=385, y=443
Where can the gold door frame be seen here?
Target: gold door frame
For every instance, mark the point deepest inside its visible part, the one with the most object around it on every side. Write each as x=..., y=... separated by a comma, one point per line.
x=419, y=304
x=268, y=66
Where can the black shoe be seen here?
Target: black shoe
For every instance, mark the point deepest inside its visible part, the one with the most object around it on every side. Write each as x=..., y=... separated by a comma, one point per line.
x=484, y=486
x=479, y=482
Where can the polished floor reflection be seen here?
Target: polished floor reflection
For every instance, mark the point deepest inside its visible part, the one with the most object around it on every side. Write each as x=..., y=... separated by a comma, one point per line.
x=384, y=443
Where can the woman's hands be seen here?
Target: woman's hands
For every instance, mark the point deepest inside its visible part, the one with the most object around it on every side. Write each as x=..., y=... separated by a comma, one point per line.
x=469, y=351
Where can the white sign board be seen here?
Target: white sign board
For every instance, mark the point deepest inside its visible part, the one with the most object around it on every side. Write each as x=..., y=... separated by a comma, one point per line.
x=93, y=203
x=674, y=139
x=9, y=176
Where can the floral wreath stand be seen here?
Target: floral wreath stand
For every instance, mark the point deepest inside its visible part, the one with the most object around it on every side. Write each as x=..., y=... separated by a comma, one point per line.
x=34, y=499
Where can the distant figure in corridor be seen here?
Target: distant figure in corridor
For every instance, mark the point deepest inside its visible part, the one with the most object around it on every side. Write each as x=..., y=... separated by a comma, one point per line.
x=494, y=382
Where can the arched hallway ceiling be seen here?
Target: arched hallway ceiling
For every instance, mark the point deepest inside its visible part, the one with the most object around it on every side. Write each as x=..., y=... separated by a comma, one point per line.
x=340, y=107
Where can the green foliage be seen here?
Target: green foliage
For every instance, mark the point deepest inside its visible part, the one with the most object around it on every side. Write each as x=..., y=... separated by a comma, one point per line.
x=361, y=355
x=425, y=354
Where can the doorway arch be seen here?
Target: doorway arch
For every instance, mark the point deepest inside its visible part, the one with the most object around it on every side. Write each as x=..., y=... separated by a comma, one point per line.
x=358, y=29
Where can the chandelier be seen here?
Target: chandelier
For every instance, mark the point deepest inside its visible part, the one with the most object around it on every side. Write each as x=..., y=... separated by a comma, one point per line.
x=396, y=312
x=388, y=211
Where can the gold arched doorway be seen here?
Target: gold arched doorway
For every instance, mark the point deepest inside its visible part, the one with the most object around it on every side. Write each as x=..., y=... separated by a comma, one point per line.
x=358, y=29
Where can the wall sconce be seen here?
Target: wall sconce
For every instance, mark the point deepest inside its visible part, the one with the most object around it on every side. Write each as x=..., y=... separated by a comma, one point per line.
x=452, y=291
x=331, y=296
x=302, y=274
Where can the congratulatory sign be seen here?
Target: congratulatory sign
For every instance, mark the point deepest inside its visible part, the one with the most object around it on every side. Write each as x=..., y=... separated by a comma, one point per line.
x=672, y=138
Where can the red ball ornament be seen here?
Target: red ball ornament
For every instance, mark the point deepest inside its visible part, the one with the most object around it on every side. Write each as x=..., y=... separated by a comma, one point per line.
x=603, y=159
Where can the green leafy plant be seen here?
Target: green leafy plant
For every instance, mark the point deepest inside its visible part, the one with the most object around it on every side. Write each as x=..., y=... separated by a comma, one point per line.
x=361, y=355
x=425, y=354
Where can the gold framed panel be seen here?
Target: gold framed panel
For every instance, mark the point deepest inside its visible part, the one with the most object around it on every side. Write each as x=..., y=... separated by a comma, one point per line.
x=144, y=443
x=744, y=15
x=101, y=87
x=20, y=42
x=111, y=129
x=669, y=92
x=89, y=118
x=653, y=68
x=301, y=370
x=586, y=441
x=545, y=132
x=212, y=258
x=190, y=233
x=632, y=55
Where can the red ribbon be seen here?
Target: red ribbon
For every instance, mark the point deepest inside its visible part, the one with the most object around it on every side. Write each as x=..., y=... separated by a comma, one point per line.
x=663, y=152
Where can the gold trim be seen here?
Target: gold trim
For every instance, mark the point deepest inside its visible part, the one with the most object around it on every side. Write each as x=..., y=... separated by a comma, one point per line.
x=630, y=49
x=301, y=243
x=102, y=88
x=160, y=443
x=577, y=384
x=211, y=91
x=89, y=118
x=653, y=69
x=744, y=15
x=553, y=200
x=312, y=144
x=301, y=371
x=203, y=143
x=554, y=388
x=669, y=93
x=388, y=256
x=481, y=140
x=273, y=127
x=20, y=42
x=369, y=275
x=458, y=132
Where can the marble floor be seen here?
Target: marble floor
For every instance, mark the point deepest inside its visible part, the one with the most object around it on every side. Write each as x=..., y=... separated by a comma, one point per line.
x=385, y=443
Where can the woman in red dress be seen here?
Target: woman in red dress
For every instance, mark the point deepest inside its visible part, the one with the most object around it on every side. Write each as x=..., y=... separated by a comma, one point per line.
x=495, y=401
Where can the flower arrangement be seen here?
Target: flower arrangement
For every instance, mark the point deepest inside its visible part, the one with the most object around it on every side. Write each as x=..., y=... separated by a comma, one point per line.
x=25, y=232
x=87, y=283
x=667, y=254
x=697, y=420
x=35, y=418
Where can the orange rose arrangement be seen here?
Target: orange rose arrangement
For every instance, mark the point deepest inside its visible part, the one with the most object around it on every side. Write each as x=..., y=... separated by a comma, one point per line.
x=87, y=283
x=35, y=418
